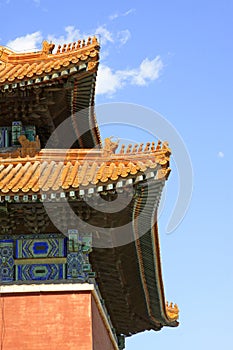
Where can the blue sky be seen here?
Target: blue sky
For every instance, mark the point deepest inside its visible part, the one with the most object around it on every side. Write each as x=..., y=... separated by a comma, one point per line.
x=174, y=57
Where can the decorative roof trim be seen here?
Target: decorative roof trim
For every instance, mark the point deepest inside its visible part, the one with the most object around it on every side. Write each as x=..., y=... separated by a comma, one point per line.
x=37, y=67
x=81, y=46
x=43, y=80
x=55, y=171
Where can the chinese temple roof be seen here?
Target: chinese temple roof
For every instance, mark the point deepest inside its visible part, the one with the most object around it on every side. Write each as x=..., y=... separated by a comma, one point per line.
x=25, y=69
x=54, y=170
x=129, y=276
x=45, y=88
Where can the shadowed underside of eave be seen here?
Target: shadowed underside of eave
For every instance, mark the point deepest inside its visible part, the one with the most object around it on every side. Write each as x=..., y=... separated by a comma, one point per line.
x=129, y=276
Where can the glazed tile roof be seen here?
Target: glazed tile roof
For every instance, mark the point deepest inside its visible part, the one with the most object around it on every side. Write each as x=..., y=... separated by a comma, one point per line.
x=36, y=67
x=54, y=173
x=54, y=170
x=70, y=71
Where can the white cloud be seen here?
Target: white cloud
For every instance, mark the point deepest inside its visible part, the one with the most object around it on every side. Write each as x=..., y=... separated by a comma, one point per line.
x=34, y=40
x=114, y=16
x=108, y=81
x=128, y=12
x=148, y=70
x=27, y=43
x=124, y=14
x=104, y=34
x=124, y=36
x=220, y=154
x=106, y=37
x=72, y=34
x=36, y=2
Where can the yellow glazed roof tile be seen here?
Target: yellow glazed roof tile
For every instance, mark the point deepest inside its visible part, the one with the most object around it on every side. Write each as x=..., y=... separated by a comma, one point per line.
x=55, y=170
x=15, y=67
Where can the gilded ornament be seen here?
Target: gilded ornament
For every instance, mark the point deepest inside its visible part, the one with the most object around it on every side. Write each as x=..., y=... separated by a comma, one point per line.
x=172, y=311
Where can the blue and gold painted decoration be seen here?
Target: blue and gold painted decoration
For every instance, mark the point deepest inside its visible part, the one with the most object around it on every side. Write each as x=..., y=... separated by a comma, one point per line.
x=45, y=257
x=76, y=263
x=40, y=247
x=78, y=247
x=40, y=272
x=6, y=260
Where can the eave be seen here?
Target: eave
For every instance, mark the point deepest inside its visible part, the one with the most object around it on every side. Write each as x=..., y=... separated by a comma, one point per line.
x=72, y=70
x=55, y=171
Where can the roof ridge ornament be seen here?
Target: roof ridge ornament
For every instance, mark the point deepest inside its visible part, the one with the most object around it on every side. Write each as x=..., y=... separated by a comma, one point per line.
x=47, y=48
x=28, y=148
x=172, y=311
x=110, y=146
x=76, y=45
x=149, y=147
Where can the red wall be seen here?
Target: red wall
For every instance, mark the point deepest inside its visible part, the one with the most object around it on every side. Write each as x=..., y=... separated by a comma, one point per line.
x=53, y=321
x=100, y=334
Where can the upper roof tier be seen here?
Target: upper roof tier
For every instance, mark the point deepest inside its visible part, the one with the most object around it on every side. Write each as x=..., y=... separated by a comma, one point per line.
x=44, y=88
x=34, y=67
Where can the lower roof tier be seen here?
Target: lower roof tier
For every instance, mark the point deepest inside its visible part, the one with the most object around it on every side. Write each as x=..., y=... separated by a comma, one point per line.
x=125, y=249
x=114, y=197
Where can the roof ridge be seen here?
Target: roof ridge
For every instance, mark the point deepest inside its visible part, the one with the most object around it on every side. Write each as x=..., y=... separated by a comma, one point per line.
x=8, y=55
x=90, y=156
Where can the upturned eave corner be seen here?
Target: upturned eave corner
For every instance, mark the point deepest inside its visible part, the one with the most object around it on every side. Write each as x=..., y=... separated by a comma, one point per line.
x=172, y=313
